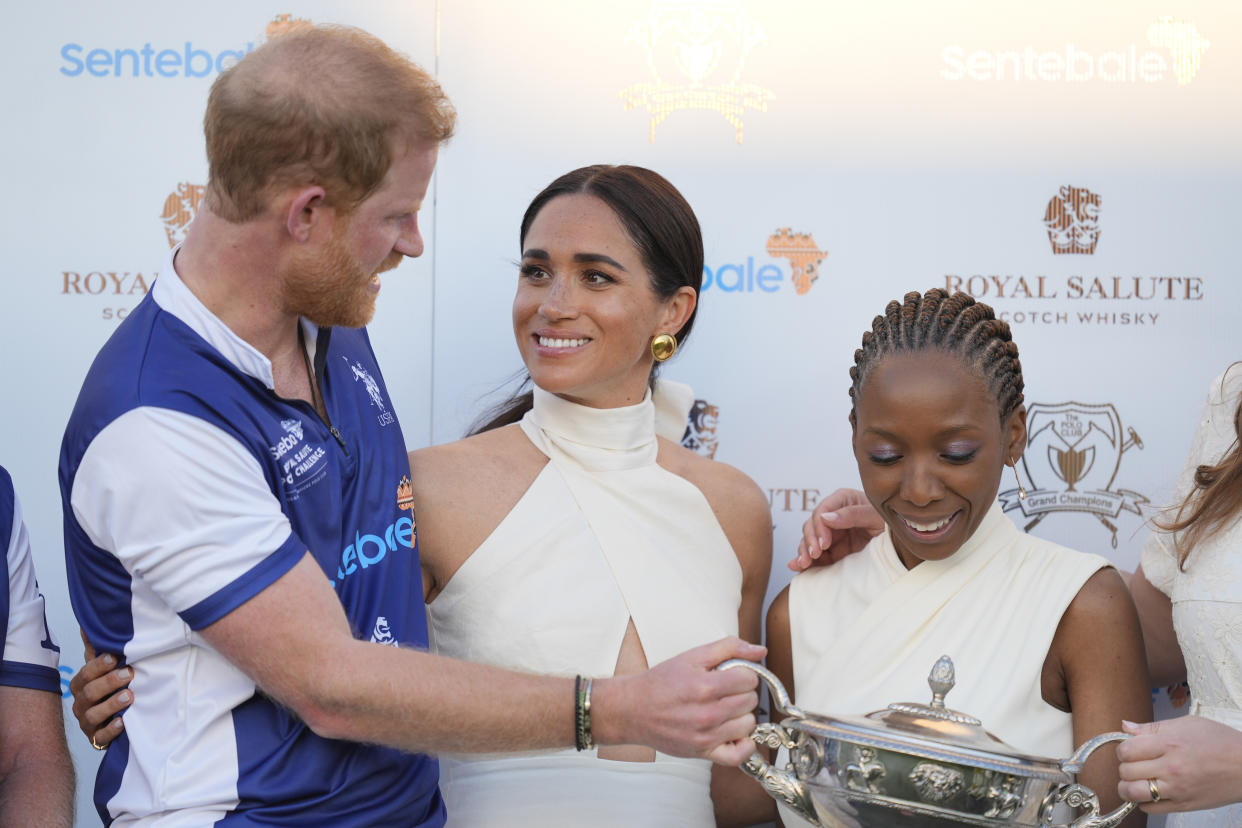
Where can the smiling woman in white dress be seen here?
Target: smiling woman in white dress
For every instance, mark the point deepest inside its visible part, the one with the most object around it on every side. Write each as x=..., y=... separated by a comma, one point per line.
x=573, y=534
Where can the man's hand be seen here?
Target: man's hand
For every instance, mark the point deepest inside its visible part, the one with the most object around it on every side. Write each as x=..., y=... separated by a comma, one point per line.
x=1195, y=763
x=96, y=701
x=841, y=524
x=683, y=707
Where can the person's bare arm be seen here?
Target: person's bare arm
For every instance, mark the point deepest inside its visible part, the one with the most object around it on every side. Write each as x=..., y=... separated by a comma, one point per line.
x=743, y=511
x=36, y=774
x=1098, y=653
x=294, y=641
x=1164, y=655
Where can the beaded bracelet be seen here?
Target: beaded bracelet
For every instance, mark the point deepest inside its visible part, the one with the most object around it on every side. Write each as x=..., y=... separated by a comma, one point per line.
x=582, y=714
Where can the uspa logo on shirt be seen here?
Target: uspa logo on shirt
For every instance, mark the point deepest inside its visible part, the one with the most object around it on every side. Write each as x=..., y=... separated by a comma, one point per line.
x=1072, y=459
x=1072, y=219
x=700, y=436
x=696, y=53
x=362, y=375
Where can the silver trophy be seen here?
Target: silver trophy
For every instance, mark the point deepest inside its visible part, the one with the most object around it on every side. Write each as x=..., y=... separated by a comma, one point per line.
x=918, y=766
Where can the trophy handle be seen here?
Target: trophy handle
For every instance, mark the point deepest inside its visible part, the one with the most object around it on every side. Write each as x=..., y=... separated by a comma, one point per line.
x=1080, y=796
x=780, y=783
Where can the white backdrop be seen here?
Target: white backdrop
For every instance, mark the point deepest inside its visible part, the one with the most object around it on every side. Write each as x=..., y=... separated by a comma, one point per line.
x=903, y=145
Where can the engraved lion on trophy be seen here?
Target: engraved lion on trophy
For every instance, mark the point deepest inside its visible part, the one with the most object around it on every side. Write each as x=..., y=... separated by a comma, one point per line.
x=700, y=436
x=1072, y=219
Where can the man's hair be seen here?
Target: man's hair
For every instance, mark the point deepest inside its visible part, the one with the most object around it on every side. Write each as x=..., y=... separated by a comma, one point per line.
x=955, y=325
x=325, y=105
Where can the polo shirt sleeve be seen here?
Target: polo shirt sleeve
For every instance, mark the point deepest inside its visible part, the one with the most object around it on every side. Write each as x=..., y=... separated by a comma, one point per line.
x=31, y=657
x=185, y=508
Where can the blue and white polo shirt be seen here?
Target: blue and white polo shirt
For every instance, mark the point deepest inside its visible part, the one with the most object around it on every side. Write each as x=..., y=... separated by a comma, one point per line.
x=29, y=656
x=189, y=486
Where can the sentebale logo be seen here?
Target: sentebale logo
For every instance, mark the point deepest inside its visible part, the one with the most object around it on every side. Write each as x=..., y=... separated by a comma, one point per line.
x=696, y=53
x=184, y=59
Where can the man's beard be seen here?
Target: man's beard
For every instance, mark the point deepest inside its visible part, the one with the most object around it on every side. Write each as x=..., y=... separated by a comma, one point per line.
x=329, y=287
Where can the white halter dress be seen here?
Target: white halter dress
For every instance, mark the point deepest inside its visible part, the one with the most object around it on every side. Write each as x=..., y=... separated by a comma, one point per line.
x=603, y=535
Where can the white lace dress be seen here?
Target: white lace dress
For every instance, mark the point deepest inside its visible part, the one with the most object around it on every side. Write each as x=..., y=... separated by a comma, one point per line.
x=1207, y=595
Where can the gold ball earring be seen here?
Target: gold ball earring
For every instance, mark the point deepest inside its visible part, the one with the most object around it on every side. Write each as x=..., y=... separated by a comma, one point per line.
x=663, y=346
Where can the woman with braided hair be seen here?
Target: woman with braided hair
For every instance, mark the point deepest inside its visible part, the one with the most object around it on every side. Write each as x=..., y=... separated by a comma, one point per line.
x=1045, y=639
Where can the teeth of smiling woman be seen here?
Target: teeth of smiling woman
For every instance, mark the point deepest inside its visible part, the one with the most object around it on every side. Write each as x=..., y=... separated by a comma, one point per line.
x=928, y=527
x=549, y=342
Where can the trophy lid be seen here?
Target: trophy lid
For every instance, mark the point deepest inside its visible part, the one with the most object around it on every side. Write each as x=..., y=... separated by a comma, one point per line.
x=933, y=731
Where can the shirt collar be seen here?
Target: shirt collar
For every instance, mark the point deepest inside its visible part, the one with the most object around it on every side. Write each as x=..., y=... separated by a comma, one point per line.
x=172, y=295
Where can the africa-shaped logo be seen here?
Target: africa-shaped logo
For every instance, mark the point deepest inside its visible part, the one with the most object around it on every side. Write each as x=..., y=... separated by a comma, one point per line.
x=700, y=436
x=1072, y=458
x=1182, y=38
x=696, y=53
x=802, y=253
x=1072, y=219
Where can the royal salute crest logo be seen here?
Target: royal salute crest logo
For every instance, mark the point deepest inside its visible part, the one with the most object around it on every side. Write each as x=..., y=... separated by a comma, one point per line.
x=1072, y=459
x=696, y=53
x=180, y=208
x=1072, y=219
x=700, y=436
x=802, y=253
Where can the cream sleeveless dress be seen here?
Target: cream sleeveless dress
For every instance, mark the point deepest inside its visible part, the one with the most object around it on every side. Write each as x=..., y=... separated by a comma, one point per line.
x=602, y=536
x=1207, y=596
x=865, y=632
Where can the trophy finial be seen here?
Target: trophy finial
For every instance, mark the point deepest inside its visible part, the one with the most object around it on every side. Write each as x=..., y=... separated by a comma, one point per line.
x=941, y=680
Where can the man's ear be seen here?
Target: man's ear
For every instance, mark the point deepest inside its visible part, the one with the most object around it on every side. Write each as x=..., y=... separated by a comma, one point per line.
x=305, y=211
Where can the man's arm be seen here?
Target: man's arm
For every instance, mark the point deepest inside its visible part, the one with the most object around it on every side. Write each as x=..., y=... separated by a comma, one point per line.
x=36, y=774
x=294, y=641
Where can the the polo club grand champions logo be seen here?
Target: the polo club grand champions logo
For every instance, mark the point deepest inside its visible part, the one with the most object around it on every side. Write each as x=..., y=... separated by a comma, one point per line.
x=1072, y=458
x=700, y=436
x=802, y=253
x=1072, y=219
x=696, y=52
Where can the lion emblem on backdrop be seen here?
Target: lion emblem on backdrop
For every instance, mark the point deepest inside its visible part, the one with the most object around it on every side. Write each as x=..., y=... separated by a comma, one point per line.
x=802, y=253
x=1072, y=219
x=700, y=436
x=179, y=210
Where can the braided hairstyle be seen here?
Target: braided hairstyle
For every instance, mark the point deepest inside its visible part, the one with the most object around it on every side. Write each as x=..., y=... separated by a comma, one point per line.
x=954, y=324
